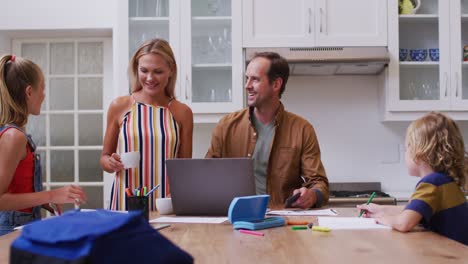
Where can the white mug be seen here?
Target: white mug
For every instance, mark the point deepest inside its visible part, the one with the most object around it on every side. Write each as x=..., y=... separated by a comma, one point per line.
x=130, y=159
x=164, y=206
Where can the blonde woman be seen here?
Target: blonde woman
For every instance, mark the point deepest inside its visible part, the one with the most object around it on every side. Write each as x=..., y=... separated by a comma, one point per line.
x=149, y=120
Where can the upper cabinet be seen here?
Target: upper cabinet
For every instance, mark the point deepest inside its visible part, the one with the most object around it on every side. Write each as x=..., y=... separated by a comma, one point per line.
x=427, y=69
x=307, y=23
x=205, y=36
x=211, y=72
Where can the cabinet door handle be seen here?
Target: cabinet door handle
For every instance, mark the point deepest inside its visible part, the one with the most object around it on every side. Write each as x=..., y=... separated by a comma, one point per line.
x=323, y=13
x=310, y=20
x=456, y=83
x=446, y=84
x=321, y=20
x=186, y=87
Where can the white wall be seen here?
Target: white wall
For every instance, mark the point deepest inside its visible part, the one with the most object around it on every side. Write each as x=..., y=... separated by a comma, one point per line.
x=5, y=44
x=57, y=14
x=356, y=145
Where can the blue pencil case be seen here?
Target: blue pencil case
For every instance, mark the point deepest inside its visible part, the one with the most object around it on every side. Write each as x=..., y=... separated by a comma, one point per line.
x=248, y=212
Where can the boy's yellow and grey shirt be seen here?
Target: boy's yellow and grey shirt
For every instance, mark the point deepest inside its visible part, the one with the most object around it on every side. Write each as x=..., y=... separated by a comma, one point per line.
x=443, y=206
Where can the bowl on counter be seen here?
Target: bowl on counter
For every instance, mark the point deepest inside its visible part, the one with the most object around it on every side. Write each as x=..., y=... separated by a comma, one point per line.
x=418, y=54
x=403, y=54
x=434, y=54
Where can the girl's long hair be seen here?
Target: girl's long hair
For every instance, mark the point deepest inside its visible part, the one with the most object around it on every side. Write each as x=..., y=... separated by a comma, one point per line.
x=15, y=75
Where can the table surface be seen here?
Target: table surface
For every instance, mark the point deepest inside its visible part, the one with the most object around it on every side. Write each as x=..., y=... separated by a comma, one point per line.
x=220, y=243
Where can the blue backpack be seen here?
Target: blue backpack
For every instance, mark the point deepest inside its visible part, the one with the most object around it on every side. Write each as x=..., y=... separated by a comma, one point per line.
x=95, y=237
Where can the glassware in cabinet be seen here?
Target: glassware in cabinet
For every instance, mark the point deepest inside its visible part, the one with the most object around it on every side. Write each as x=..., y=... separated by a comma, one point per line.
x=148, y=19
x=211, y=51
x=419, y=53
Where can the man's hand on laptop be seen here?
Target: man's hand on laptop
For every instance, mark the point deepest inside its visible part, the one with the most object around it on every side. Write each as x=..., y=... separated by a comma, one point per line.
x=307, y=199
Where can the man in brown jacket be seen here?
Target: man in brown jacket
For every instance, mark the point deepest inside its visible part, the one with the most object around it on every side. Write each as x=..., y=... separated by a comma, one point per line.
x=283, y=146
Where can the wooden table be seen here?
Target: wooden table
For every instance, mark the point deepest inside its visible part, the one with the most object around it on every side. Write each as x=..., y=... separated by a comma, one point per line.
x=219, y=243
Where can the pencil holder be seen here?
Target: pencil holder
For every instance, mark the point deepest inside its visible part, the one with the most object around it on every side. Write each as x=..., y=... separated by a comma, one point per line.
x=138, y=203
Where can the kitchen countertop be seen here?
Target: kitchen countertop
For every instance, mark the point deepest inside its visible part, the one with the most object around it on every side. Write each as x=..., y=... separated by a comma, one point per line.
x=404, y=196
x=401, y=196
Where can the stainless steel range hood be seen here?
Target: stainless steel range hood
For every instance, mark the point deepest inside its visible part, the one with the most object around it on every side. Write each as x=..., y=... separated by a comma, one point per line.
x=331, y=60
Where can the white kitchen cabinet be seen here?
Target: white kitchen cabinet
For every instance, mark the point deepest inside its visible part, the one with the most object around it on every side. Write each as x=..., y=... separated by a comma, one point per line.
x=206, y=38
x=307, y=23
x=419, y=86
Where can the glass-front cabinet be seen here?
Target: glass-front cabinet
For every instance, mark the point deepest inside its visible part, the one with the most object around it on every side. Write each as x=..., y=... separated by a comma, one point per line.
x=205, y=36
x=428, y=70
x=147, y=19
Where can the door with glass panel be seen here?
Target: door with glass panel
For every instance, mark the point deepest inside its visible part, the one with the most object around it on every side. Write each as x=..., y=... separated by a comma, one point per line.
x=459, y=54
x=205, y=36
x=69, y=131
x=432, y=71
x=147, y=19
x=211, y=79
x=424, y=55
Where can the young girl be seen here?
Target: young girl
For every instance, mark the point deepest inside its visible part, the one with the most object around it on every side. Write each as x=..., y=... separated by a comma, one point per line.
x=435, y=152
x=21, y=94
x=149, y=120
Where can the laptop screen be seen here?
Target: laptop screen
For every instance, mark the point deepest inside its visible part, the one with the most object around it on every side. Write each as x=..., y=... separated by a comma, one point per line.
x=207, y=186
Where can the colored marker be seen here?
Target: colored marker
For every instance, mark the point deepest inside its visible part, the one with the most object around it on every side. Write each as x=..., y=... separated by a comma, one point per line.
x=299, y=227
x=368, y=202
x=152, y=190
x=144, y=191
x=250, y=232
x=321, y=229
x=291, y=222
x=129, y=192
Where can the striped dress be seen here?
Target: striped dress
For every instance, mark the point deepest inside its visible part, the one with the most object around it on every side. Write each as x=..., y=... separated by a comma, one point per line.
x=153, y=131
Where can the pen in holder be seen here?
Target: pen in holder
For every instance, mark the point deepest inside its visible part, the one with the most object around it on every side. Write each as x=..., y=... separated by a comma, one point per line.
x=138, y=203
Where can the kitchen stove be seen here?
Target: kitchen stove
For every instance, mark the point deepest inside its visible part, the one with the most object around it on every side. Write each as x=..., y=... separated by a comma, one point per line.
x=352, y=194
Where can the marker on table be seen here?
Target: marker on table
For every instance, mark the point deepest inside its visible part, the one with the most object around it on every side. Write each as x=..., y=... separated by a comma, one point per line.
x=296, y=222
x=152, y=190
x=368, y=202
x=321, y=229
x=251, y=232
x=299, y=227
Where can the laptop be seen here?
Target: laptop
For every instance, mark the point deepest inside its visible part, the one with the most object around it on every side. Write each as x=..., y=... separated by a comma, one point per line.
x=207, y=186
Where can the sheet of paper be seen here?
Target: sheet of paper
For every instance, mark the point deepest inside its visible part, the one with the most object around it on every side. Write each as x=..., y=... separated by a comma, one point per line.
x=160, y=226
x=192, y=220
x=303, y=212
x=350, y=223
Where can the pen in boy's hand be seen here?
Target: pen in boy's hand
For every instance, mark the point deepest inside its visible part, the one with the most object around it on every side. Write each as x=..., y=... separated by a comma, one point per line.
x=368, y=202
